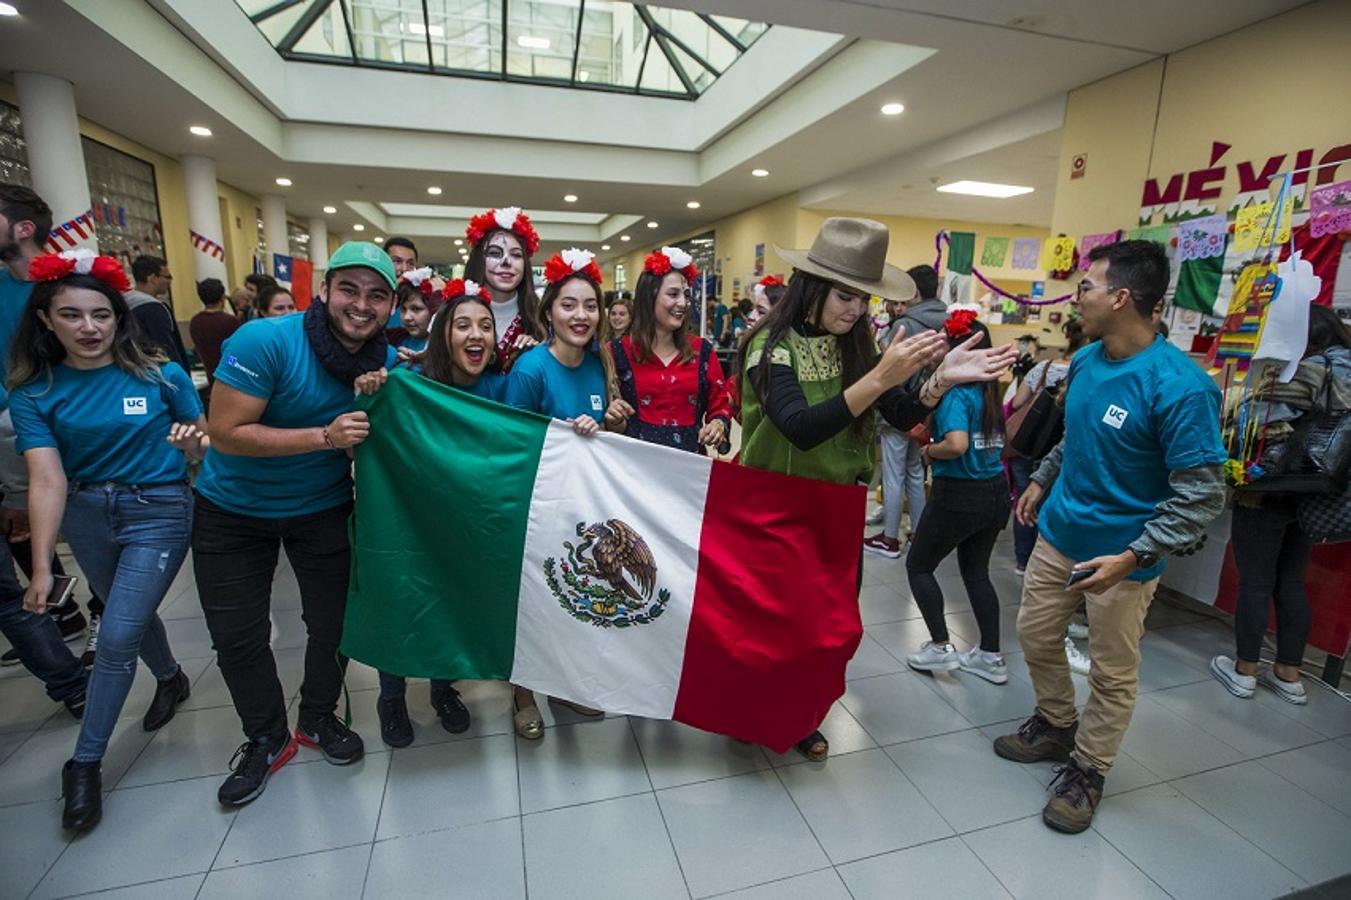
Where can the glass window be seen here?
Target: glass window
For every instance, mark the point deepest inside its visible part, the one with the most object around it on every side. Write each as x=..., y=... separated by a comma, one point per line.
x=327, y=36
x=124, y=203
x=13, y=150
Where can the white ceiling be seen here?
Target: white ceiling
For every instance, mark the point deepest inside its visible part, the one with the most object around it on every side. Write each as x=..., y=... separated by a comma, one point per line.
x=981, y=80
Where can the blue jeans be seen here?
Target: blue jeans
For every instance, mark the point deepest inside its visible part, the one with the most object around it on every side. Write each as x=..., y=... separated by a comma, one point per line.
x=393, y=687
x=130, y=542
x=1024, y=536
x=902, y=479
x=36, y=638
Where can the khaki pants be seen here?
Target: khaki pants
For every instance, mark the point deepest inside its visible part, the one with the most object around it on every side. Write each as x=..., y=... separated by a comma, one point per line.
x=1116, y=621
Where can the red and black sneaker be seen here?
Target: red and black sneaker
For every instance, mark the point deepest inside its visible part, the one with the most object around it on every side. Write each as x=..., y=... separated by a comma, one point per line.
x=883, y=546
x=251, y=767
x=331, y=737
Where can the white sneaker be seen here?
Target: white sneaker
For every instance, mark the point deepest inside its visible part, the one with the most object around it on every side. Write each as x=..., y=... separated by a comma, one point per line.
x=876, y=517
x=1234, y=681
x=1289, y=691
x=1079, y=661
x=989, y=666
x=1078, y=631
x=934, y=658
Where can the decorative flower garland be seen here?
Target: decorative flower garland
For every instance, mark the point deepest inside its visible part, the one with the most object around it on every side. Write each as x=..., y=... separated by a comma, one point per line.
x=508, y=218
x=669, y=259
x=572, y=262
x=990, y=285
x=55, y=266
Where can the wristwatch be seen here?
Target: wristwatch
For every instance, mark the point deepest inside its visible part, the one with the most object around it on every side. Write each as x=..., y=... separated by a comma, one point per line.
x=1145, y=560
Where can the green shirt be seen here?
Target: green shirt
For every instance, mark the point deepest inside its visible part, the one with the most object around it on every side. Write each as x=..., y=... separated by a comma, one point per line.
x=846, y=458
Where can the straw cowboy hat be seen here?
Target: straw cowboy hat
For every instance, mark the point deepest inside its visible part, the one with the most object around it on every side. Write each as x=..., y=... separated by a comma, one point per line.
x=853, y=252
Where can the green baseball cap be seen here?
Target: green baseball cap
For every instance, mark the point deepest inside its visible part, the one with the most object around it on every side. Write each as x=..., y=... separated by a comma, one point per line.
x=368, y=256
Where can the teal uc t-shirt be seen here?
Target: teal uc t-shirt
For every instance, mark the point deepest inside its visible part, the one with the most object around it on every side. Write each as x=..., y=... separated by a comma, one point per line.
x=490, y=386
x=542, y=384
x=108, y=424
x=961, y=410
x=271, y=359
x=13, y=298
x=1128, y=424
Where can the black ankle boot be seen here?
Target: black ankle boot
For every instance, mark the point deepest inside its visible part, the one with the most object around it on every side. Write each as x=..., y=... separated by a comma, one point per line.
x=82, y=786
x=168, y=694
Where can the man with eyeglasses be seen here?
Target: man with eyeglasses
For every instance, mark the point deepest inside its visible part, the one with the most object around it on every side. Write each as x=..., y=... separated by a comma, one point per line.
x=159, y=330
x=1138, y=476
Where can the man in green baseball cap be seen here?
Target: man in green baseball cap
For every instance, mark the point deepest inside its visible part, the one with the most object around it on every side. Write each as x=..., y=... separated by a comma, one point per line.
x=277, y=476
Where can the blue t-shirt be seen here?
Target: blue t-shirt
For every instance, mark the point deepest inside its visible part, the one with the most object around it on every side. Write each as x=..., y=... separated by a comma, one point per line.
x=108, y=424
x=490, y=386
x=1128, y=424
x=13, y=298
x=961, y=410
x=542, y=384
x=271, y=359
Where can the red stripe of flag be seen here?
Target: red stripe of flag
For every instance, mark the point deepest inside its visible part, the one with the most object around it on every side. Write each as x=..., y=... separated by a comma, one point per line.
x=775, y=618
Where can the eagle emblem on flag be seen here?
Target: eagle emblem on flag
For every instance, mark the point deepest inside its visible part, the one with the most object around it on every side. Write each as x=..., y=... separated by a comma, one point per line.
x=592, y=582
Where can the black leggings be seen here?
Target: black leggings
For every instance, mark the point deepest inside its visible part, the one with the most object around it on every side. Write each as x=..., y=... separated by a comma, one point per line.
x=1271, y=553
x=965, y=516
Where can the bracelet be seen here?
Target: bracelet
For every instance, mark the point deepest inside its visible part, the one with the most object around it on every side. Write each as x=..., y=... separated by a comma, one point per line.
x=328, y=442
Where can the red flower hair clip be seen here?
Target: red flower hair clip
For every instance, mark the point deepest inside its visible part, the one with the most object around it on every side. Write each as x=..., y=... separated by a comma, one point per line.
x=55, y=266
x=960, y=316
x=460, y=287
x=671, y=258
x=572, y=262
x=767, y=282
x=508, y=218
x=420, y=279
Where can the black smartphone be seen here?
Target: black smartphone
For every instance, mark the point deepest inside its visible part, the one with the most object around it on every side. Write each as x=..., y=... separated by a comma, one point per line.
x=1079, y=575
x=62, y=588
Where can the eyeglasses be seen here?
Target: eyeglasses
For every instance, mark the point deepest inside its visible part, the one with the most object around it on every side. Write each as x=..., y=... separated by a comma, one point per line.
x=1085, y=286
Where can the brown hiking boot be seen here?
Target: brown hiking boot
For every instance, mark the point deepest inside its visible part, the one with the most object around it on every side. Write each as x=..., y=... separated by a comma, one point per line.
x=1037, y=740
x=1078, y=791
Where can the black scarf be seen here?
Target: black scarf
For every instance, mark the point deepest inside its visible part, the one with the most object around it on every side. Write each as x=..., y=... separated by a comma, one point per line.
x=337, y=361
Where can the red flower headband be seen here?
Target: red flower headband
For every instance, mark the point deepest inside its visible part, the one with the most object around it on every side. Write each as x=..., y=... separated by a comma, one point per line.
x=958, y=323
x=54, y=267
x=508, y=218
x=572, y=262
x=459, y=287
x=768, y=281
x=671, y=258
x=420, y=279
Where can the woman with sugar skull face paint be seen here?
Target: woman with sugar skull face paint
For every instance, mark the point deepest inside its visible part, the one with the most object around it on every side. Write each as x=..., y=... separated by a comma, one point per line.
x=502, y=242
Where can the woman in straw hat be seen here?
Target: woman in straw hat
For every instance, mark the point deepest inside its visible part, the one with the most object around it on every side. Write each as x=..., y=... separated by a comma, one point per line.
x=812, y=372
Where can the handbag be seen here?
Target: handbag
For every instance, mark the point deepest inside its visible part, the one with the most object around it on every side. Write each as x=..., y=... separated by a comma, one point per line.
x=1316, y=458
x=1326, y=517
x=1034, y=430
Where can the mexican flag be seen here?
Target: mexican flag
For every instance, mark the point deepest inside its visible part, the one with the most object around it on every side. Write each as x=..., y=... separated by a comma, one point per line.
x=490, y=543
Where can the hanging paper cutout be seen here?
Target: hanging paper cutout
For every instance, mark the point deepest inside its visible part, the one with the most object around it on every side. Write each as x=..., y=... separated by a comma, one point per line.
x=961, y=252
x=1201, y=238
x=1025, y=253
x=995, y=253
x=1255, y=226
x=1330, y=209
x=1090, y=241
x=1057, y=254
x=1159, y=234
x=1258, y=285
x=1286, y=332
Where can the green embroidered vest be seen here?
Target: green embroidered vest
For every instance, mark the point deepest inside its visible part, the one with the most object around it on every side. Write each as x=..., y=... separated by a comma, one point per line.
x=846, y=458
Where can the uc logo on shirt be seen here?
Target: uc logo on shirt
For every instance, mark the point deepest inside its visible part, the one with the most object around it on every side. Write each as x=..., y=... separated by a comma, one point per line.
x=134, y=406
x=1115, y=416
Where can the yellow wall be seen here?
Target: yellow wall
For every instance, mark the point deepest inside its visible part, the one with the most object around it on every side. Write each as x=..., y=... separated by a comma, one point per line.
x=240, y=229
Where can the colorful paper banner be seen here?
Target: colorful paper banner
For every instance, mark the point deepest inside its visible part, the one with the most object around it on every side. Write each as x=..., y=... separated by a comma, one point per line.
x=1025, y=253
x=1201, y=238
x=961, y=252
x=1089, y=241
x=1255, y=226
x=1057, y=254
x=1330, y=209
x=1159, y=234
x=995, y=252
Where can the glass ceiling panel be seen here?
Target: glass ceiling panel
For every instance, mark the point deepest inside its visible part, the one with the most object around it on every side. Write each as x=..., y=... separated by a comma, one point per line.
x=591, y=44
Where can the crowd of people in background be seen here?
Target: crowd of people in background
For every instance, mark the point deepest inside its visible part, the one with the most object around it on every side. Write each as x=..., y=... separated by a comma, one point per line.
x=103, y=421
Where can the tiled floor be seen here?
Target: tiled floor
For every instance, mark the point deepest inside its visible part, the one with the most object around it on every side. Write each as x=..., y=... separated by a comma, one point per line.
x=1212, y=796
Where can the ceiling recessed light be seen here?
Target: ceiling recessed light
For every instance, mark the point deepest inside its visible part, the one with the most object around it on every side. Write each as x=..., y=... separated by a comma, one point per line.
x=7, y=9
x=694, y=204
x=893, y=109
x=759, y=173
x=531, y=42
x=330, y=209
x=434, y=191
x=605, y=246
x=458, y=242
x=200, y=130
x=623, y=237
x=984, y=189
x=358, y=227
x=569, y=198
x=651, y=224
x=379, y=240
x=283, y=182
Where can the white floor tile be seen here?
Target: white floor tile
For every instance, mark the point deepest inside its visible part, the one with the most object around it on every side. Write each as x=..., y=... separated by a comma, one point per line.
x=861, y=805
x=900, y=638
x=189, y=638
x=872, y=660
x=738, y=832
x=210, y=690
x=450, y=784
x=900, y=707
x=841, y=730
x=1036, y=863
x=1170, y=746
x=33, y=839
x=822, y=885
x=149, y=833
x=678, y=754
x=24, y=705
x=884, y=603
x=944, y=868
x=1322, y=770
x=1186, y=850
x=1248, y=727
x=197, y=742
x=580, y=764
x=1309, y=837
x=165, y=889
x=615, y=849
x=981, y=702
x=309, y=807
x=1164, y=665
x=33, y=772
x=330, y=875
x=480, y=861
x=1326, y=712
x=967, y=783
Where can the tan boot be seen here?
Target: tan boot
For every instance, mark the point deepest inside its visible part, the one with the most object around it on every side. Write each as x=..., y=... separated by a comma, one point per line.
x=1078, y=791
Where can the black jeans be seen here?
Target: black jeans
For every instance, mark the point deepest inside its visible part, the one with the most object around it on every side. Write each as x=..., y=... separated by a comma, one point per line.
x=965, y=516
x=1271, y=553
x=235, y=558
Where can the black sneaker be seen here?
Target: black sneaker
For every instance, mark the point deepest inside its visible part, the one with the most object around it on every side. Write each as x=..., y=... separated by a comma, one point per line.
x=331, y=737
x=251, y=767
x=75, y=703
x=91, y=642
x=1036, y=740
x=9, y=658
x=82, y=787
x=71, y=622
x=396, y=729
x=168, y=694
x=454, y=714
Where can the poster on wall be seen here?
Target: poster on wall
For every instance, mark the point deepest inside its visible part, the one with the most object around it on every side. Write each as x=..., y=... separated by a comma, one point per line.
x=1185, y=325
x=759, y=260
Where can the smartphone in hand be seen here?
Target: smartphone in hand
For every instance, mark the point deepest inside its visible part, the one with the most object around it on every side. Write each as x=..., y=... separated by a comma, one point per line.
x=1079, y=575
x=63, y=586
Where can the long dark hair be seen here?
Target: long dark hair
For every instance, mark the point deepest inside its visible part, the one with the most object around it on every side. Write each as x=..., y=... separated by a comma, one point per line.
x=436, y=365
x=1326, y=330
x=527, y=301
x=37, y=349
x=607, y=360
x=801, y=306
x=642, y=331
x=992, y=398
